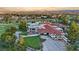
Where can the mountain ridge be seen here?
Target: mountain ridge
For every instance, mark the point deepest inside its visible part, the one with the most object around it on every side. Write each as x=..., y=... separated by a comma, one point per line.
x=4, y=10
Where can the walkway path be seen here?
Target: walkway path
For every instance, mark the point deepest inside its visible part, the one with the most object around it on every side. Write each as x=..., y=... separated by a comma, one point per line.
x=29, y=35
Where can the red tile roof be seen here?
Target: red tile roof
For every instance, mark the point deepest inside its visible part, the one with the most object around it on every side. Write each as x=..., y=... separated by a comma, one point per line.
x=54, y=24
x=48, y=29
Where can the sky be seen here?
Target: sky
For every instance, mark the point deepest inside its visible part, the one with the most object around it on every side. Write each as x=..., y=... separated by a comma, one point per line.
x=39, y=3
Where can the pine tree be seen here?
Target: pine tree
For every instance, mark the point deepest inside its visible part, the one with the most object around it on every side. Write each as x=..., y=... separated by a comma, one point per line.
x=73, y=32
x=22, y=25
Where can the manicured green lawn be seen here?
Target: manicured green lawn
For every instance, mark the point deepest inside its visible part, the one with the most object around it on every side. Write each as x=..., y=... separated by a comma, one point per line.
x=5, y=26
x=33, y=42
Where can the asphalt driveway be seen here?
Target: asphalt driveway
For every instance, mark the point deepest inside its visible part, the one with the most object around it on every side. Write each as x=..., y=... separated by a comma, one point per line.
x=53, y=45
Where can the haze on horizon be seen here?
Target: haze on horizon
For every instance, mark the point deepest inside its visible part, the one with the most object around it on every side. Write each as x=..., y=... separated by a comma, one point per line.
x=37, y=8
x=4, y=10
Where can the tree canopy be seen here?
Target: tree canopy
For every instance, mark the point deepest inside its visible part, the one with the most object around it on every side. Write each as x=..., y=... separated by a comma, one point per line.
x=73, y=31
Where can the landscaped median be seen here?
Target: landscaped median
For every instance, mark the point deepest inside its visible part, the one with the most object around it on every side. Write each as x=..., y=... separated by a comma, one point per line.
x=33, y=42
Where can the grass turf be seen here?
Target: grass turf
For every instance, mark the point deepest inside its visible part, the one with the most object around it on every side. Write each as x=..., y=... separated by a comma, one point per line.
x=5, y=26
x=33, y=42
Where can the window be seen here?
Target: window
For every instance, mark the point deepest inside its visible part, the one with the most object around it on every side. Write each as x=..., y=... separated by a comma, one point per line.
x=33, y=28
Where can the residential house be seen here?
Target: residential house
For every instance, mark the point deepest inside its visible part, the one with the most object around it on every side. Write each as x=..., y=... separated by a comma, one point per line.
x=52, y=30
x=33, y=27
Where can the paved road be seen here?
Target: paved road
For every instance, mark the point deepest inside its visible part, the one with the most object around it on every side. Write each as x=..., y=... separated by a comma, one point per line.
x=53, y=45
